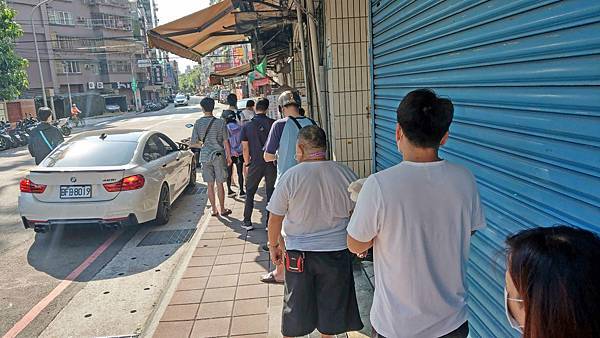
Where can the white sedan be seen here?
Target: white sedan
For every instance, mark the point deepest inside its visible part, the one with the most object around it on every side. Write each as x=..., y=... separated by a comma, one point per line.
x=110, y=178
x=181, y=100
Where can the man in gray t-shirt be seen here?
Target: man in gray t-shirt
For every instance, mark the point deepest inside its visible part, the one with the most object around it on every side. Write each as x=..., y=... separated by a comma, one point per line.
x=210, y=135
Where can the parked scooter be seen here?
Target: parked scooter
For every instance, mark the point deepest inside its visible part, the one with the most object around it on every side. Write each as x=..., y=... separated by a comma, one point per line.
x=22, y=131
x=6, y=142
x=155, y=105
x=16, y=137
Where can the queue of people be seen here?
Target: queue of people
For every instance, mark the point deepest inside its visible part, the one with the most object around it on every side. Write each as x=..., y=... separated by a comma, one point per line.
x=417, y=217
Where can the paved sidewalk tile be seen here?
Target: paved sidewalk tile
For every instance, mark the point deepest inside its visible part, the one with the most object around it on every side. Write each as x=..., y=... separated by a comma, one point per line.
x=222, y=281
x=220, y=293
x=173, y=329
x=202, y=261
x=251, y=306
x=218, y=327
x=187, y=297
x=180, y=312
x=215, y=310
x=192, y=283
x=250, y=324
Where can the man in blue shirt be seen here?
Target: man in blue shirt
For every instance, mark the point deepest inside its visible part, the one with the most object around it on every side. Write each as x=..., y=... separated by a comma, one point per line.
x=281, y=144
x=281, y=147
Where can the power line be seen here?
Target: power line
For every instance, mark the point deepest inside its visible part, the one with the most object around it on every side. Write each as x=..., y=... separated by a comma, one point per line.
x=116, y=38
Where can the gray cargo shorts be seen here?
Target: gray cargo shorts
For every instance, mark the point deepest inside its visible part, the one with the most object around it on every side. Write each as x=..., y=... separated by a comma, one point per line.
x=215, y=170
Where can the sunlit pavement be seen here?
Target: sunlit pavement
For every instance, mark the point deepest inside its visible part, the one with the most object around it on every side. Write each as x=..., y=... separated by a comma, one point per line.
x=116, y=281
x=217, y=292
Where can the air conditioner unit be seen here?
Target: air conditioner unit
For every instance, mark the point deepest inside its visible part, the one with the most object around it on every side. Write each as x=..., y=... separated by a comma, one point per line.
x=91, y=85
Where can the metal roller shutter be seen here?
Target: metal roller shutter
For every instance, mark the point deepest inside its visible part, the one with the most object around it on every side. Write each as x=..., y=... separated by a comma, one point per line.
x=525, y=80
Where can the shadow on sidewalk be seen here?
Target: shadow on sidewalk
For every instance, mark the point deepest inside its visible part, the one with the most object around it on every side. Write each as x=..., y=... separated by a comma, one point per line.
x=58, y=252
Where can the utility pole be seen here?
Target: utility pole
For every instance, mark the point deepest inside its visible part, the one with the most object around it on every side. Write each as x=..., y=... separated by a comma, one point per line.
x=68, y=84
x=134, y=85
x=37, y=53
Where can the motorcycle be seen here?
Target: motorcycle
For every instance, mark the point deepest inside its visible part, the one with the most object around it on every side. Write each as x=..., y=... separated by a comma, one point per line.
x=5, y=140
x=154, y=106
x=22, y=131
x=17, y=139
x=64, y=128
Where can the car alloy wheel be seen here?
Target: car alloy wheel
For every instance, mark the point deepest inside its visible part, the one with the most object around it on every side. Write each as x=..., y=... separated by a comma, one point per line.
x=164, y=206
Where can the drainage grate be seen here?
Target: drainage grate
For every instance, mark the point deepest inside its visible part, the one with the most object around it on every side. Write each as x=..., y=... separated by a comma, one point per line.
x=167, y=237
x=198, y=190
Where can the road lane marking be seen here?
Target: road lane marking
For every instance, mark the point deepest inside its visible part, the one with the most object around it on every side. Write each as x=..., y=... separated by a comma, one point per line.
x=39, y=307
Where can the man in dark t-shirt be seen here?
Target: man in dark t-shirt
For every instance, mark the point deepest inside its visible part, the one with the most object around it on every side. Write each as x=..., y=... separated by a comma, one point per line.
x=254, y=137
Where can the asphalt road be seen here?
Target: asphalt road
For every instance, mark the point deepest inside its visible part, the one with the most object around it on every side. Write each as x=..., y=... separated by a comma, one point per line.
x=33, y=265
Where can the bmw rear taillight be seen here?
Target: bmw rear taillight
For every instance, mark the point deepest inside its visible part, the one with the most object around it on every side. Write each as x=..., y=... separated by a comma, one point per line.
x=32, y=188
x=128, y=183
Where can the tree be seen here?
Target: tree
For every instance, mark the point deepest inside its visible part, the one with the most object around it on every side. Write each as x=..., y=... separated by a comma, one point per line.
x=189, y=82
x=13, y=68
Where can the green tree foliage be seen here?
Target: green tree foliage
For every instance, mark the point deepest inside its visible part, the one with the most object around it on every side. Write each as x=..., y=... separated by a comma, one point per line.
x=13, y=74
x=190, y=82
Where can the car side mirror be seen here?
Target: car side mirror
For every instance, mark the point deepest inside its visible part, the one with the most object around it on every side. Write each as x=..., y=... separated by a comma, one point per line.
x=189, y=125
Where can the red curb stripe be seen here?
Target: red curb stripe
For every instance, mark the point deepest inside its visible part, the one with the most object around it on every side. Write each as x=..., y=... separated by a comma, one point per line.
x=37, y=309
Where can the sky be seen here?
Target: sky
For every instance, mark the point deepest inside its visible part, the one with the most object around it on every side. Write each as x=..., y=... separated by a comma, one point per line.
x=170, y=10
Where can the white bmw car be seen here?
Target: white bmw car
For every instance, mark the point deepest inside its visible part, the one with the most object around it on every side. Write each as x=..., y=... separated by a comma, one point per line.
x=111, y=178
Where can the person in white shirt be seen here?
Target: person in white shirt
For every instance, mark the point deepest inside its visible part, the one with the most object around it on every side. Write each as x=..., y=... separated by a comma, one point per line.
x=248, y=113
x=419, y=217
x=310, y=209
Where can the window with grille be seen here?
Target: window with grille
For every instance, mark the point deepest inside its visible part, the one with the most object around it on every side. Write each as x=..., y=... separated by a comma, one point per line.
x=56, y=17
x=115, y=22
x=64, y=42
x=70, y=67
x=119, y=67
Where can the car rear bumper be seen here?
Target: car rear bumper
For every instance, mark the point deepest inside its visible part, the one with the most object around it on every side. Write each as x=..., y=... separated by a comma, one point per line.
x=131, y=219
x=125, y=209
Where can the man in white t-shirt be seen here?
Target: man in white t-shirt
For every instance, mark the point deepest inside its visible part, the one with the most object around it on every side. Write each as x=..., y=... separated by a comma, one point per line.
x=248, y=113
x=419, y=217
x=310, y=208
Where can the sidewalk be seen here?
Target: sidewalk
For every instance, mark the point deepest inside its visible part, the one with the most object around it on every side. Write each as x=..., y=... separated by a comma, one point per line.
x=220, y=293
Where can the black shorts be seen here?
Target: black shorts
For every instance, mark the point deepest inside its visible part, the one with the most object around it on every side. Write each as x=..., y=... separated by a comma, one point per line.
x=321, y=297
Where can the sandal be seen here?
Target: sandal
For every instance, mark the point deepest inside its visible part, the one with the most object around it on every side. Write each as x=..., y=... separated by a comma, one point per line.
x=270, y=279
x=226, y=212
x=215, y=214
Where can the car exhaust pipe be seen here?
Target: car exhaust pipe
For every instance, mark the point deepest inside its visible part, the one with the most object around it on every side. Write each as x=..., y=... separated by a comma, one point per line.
x=41, y=228
x=111, y=226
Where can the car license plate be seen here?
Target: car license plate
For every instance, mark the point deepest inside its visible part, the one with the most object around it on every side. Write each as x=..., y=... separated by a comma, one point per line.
x=75, y=191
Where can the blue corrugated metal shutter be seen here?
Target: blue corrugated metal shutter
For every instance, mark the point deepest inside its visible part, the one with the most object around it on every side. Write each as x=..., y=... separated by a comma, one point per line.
x=525, y=80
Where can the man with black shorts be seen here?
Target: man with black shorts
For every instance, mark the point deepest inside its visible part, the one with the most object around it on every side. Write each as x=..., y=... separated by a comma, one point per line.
x=310, y=208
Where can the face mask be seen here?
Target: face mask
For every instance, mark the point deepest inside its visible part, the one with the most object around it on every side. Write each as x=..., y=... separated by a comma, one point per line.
x=511, y=320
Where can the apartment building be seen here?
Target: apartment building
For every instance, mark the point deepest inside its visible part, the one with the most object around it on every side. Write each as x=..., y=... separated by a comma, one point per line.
x=87, y=47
